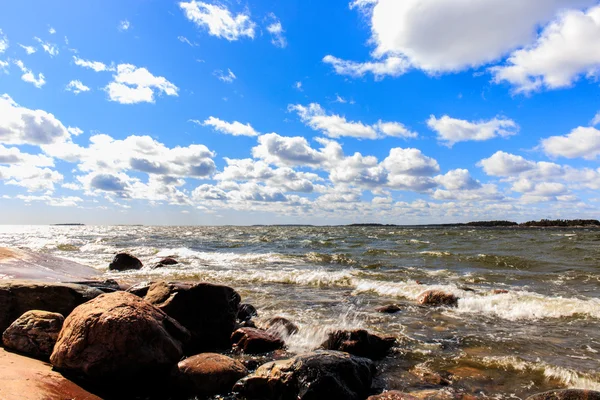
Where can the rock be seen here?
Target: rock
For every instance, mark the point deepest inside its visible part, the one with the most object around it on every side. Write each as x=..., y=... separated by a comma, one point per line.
x=281, y=326
x=124, y=262
x=207, y=311
x=392, y=395
x=23, y=378
x=119, y=337
x=246, y=312
x=566, y=394
x=34, y=333
x=255, y=341
x=359, y=343
x=139, y=289
x=207, y=374
x=168, y=261
x=19, y=296
x=437, y=298
x=330, y=375
x=499, y=291
x=107, y=285
x=389, y=309
x=429, y=376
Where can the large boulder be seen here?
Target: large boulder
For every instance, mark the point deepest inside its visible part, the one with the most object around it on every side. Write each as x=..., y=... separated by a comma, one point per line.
x=207, y=374
x=208, y=311
x=359, y=343
x=567, y=394
x=256, y=341
x=330, y=375
x=119, y=337
x=124, y=262
x=19, y=296
x=34, y=333
x=437, y=298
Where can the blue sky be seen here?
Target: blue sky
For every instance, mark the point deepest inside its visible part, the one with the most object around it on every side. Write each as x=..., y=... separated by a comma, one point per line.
x=246, y=112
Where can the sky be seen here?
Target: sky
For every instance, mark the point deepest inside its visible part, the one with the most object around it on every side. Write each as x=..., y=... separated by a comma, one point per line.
x=299, y=111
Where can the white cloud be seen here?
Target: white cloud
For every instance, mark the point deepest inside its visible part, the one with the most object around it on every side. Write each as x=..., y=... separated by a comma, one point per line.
x=451, y=130
x=458, y=179
x=298, y=86
x=219, y=21
x=581, y=142
x=136, y=85
x=3, y=42
x=336, y=126
x=596, y=120
x=4, y=66
x=49, y=48
x=20, y=125
x=66, y=201
x=29, y=76
x=12, y=155
x=30, y=177
x=234, y=128
x=294, y=151
x=228, y=77
x=77, y=87
x=505, y=164
x=124, y=25
x=28, y=49
x=391, y=66
x=185, y=40
x=565, y=50
x=51, y=30
x=276, y=31
x=95, y=65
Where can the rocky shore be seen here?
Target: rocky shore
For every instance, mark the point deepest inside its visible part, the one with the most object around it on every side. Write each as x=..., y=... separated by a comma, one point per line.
x=68, y=335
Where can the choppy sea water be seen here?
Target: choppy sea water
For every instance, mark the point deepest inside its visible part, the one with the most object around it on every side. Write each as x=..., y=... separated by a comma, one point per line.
x=543, y=334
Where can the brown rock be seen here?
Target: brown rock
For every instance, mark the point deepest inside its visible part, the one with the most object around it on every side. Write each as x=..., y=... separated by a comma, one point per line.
x=499, y=291
x=118, y=337
x=392, y=395
x=18, y=296
x=255, y=341
x=566, y=394
x=34, y=333
x=124, y=262
x=207, y=311
x=168, y=261
x=330, y=375
x=208, y=374
x=389, y=309
x=430, y=377
x=23, y=378
x=281, y=326
x=437, y=298
x=359, y=343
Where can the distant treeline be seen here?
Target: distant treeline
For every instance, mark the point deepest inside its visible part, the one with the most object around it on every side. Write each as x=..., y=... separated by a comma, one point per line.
x=492, y=223
x=563, y=222
x=560, y=223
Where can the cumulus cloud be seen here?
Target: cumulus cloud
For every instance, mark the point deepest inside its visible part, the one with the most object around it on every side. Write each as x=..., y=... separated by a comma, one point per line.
x=77, y=87
x=458, y=179
x=95, y=65
x=133, y=85
x=451, y=130
x=277, y=33
x=505, y=164
x=581, y=142
x=390, y=66
x=234, y=128
x=219, y=21
x=566, y=50
x=29, y=77
x=336, y=126
x=28, y=49
x=293, y=151
x=30, y=177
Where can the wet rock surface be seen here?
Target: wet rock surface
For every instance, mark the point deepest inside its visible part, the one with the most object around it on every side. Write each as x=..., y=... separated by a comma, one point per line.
x=280, y=326
x=359, y=343
x=34, y=333
x=392, y=395
x=255, y=341
x=567, y=394
x=124, y=262
x=246, y=312
x=389, y=309
x=437, y=298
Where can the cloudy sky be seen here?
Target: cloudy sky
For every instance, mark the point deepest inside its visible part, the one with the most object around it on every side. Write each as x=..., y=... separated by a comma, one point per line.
x=296, y=111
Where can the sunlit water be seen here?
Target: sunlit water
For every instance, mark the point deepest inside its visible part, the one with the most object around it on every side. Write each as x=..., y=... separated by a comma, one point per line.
x=542, y=334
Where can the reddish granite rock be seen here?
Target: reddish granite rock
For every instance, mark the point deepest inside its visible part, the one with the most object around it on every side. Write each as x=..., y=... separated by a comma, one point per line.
x=359, y=343
x=393, y=395
x=119, y=337
x=34, y=333
x=124, y=262
x=255, y=341
x=567, y=394
x=437, y=298
x=499, y=291
x=207, y=374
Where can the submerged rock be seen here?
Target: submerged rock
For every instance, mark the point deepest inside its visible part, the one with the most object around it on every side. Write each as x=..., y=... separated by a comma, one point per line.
x=34, y=333
x=207, y=374
x=20, y=296
x=281, y=326
x=330, y=375
x=359, y=343
x=124, y=262
x=567, y=394
x=208, y=311
x=392, y=395
x=389, y=309
x=256, y=341
x=119, y=337
x=165, y=262
x=437, y=298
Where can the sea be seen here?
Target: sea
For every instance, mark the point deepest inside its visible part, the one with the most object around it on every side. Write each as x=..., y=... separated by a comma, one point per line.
x=527, y=318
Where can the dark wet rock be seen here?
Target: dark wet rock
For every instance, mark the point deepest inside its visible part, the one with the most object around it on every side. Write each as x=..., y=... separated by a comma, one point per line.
x=245, y=324
x=499, y=291
x=124, y=262
x=168, y=261
x=566, y=394
x=255, y=341
x=467, y=289
x=208, y=311
x=34, y=333
x=107, y=286
x=437, y=298
x=207, y=374
x=392, y=395
x=389, y=309
x=139, y=289
x=118, y=337
x=281, y=326
x=359, y=343
x=330, y=375
x=246, y=311
x=19, y=296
